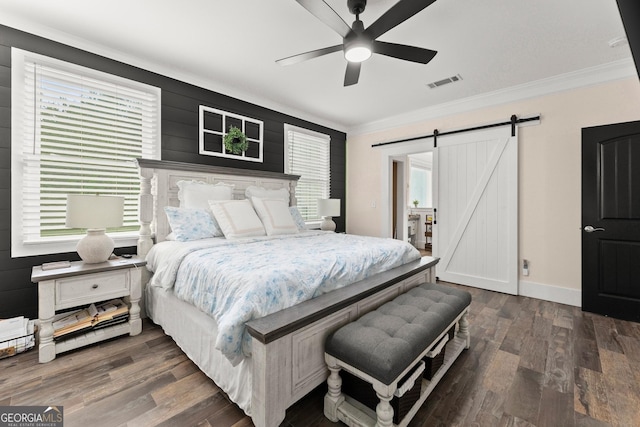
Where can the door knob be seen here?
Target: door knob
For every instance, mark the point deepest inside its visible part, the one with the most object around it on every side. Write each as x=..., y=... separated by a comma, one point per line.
x=591, y=229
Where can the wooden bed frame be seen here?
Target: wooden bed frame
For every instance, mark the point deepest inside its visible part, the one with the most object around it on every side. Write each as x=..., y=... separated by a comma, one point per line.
x=288, y=346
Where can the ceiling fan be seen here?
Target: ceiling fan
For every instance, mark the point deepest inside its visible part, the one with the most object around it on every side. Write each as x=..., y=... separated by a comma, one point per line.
x=359, y=43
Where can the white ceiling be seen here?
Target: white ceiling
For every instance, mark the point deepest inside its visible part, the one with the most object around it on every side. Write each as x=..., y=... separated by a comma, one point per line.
x=231, y=47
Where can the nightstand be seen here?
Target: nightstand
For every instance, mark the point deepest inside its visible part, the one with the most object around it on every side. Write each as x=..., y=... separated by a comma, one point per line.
x=80, y=285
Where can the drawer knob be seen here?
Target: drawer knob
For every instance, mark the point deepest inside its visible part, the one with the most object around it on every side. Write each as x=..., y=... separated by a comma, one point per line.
x=95, y=286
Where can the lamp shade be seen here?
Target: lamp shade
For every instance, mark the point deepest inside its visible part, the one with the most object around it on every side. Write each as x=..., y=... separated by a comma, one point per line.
x=329, y=207
x=90, y=211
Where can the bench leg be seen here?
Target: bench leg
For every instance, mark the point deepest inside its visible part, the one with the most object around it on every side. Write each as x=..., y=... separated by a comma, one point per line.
x=384, y=411
x=334, y=397
x=463, y=331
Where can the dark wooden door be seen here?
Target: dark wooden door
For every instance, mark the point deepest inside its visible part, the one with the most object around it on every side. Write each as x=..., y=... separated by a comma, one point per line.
x=611, y=220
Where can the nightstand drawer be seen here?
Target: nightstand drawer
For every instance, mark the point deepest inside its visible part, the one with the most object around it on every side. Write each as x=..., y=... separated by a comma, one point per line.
x=81, y=290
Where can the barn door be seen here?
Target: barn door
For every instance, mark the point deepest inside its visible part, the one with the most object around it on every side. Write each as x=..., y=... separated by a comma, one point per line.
x=476, y=229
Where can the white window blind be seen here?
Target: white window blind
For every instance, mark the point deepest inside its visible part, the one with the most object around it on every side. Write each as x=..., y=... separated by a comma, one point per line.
x=307, y=154
x=78, y=132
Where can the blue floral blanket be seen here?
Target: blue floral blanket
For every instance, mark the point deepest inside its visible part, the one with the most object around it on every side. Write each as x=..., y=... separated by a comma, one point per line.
x=239, y=280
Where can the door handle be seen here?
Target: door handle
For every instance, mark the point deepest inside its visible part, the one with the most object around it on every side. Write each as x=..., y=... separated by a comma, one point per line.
x=591, y=229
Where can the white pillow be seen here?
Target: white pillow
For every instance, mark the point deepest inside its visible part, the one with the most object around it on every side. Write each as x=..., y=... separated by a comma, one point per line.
x=191, y=224
x=196, y=194
x=267, y=193
x=297, y=217
x=237, y=218
x=275, y=216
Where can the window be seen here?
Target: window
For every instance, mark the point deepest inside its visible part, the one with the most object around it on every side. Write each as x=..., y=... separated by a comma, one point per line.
x=420, y=180
x=214, y=125
x=74, y=130
x=307, y=154
x=420, y=187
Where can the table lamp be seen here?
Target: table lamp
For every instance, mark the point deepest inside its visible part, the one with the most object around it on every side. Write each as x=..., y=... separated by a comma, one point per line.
x=328, y=208
x=95, y=213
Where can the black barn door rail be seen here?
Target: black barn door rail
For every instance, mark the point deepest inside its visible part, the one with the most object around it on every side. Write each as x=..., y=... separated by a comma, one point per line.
x=513, y=122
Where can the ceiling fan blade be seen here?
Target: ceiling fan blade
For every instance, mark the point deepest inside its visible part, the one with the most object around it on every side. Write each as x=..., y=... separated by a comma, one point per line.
x=398, y=13
x=308, y=55
x=326, y=14
x=352, y=74
x=402, y=51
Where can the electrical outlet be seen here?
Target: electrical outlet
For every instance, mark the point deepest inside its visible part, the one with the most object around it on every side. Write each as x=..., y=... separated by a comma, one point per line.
x=525, y=267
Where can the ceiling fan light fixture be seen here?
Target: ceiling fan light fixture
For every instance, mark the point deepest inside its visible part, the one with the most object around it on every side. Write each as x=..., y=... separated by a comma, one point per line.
x=357, y=53
x=359, y=44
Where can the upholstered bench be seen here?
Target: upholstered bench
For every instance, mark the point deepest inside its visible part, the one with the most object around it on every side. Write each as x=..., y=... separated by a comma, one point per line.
x=388, y=345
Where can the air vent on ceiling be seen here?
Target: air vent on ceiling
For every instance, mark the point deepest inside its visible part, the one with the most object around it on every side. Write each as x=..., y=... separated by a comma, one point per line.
x=443, y=82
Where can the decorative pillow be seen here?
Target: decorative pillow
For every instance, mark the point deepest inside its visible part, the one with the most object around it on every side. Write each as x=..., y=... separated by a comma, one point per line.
x=191, y=223
x=196, y=194
x=266, y=193
x=297, y=218
x=275, y=216
x=237, y=218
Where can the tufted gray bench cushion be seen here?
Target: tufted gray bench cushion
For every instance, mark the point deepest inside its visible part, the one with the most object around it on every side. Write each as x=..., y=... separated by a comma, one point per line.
x=384, y=342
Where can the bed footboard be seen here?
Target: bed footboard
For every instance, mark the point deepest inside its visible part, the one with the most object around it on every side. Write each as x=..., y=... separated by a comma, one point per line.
x=288, y=346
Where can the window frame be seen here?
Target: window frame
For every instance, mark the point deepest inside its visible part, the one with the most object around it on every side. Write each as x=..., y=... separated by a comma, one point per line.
x=226, y=116
x=315, y=222
x=58, y=244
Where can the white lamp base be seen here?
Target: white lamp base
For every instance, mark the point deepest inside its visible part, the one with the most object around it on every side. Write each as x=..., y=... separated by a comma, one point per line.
x=327, y=224
x=95, y=247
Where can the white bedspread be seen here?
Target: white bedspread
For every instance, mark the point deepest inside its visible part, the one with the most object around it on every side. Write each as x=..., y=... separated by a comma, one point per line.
x=238, y=280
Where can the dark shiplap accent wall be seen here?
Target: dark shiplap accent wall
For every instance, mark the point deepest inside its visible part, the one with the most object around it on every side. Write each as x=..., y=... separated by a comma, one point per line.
x=180, y=101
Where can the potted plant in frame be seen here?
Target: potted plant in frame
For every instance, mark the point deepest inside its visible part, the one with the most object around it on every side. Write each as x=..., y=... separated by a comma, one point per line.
x=235, y=141
x=415, y=203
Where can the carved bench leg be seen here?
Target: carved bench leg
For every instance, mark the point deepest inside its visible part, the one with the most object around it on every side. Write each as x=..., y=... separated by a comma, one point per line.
x=384, y=411
x=334, y=397
x=463, y=331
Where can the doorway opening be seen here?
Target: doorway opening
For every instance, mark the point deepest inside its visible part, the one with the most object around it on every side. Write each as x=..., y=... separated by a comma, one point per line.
x=395, y=185
x=410, y=180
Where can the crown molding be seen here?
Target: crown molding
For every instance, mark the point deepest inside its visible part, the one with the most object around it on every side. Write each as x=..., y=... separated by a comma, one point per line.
x=582, y=78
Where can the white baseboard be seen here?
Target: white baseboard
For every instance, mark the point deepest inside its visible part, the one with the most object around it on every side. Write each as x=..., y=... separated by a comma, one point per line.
x=550, y=293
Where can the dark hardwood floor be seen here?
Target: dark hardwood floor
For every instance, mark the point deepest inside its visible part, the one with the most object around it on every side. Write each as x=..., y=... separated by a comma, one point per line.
x=531, y=363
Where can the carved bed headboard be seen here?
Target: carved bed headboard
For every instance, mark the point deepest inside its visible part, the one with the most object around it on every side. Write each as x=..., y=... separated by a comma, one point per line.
x=158, y=189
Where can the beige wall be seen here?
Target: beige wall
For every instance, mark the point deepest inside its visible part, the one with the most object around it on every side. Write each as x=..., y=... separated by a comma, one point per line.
x=549, y=172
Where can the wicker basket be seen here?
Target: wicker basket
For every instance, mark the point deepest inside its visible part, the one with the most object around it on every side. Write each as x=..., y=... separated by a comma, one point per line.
x=405, y=397
x=435, y=357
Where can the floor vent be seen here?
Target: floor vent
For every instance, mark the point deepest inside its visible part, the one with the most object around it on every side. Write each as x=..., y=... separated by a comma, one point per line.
x=443, y=82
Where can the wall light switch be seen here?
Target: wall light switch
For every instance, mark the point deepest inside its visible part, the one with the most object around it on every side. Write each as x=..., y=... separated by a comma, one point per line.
x=373, y=203
x=525, y=267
